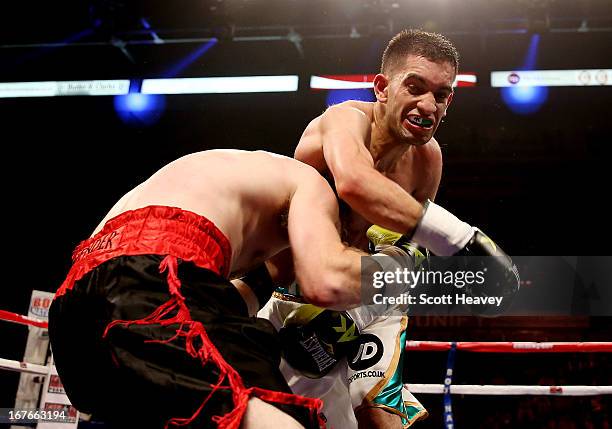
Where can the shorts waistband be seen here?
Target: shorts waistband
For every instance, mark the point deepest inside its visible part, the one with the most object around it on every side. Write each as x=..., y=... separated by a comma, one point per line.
x=153, y=230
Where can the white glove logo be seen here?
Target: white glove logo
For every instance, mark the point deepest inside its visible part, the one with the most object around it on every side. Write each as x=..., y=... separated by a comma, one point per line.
x=366, y=351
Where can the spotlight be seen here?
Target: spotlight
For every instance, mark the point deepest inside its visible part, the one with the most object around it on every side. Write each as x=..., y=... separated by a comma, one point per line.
x=524, y=100
x=139, y=109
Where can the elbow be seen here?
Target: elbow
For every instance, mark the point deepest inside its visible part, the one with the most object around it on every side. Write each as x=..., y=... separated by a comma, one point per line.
x=349, y=189
x=323, y=296
x=328, y=293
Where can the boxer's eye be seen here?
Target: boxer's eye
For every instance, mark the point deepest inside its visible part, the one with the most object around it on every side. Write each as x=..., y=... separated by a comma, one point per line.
x=414, y=89
x=441, y=97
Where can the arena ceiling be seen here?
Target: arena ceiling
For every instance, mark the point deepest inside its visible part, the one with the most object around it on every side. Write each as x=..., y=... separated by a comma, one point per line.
x=119, y=22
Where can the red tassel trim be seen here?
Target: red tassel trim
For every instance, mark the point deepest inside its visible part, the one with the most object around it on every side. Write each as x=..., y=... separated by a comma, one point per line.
x=208, y=353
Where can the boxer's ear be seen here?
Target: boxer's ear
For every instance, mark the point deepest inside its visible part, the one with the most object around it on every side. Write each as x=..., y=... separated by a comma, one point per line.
x=381, y=87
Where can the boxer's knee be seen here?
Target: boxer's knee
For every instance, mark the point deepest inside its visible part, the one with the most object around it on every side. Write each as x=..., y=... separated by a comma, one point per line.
x=261, y=415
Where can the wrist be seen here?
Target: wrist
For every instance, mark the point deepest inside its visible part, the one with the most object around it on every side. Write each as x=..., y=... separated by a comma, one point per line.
x=441, y=231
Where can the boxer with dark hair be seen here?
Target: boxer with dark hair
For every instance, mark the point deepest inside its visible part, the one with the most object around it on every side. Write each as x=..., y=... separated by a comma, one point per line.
x=432, y=46
x=147, y=330
x=383, y=161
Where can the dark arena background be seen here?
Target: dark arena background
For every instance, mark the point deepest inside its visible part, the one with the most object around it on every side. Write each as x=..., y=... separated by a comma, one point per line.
x=530, y=165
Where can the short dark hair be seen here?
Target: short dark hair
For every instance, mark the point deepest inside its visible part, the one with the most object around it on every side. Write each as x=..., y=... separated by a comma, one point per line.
x=433, y=46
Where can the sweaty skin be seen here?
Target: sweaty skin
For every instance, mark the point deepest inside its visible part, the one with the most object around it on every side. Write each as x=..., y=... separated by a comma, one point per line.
x=263, y=203
x=383, y=166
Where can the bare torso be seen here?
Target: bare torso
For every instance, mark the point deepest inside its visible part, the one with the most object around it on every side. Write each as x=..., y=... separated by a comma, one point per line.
x=410, y=166
x=213, y=184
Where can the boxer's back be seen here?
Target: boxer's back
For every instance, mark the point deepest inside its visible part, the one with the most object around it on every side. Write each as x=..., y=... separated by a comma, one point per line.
x=246, y=195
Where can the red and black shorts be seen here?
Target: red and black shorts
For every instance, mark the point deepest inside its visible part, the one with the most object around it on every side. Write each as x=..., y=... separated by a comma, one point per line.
x=147, y=338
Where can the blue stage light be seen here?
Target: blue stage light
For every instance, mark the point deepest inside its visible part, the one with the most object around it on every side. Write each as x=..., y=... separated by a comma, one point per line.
x=524, y=100
x=179, y=67
x=140, y=109
x=532, y=52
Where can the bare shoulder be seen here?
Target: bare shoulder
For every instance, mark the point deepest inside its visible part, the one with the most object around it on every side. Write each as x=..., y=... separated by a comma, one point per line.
x=271, y=156
x=364, y=107
x=291, y=168
x=356, y=108
x=306, y=174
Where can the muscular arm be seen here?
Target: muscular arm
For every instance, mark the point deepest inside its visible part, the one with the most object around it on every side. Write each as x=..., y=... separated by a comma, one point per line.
x=328, y=272
x=345, y=132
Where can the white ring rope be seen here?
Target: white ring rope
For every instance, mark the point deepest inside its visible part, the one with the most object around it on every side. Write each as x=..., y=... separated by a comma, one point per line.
x=476, y=389
x=462, y=389
x=32, y=368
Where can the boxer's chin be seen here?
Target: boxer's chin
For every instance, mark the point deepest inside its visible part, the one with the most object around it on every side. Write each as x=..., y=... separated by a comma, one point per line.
x=415, y=139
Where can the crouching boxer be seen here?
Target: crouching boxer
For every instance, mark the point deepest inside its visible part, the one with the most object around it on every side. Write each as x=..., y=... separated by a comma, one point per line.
x=147, y=330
